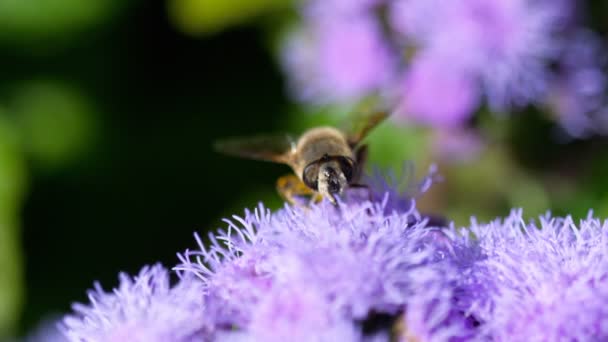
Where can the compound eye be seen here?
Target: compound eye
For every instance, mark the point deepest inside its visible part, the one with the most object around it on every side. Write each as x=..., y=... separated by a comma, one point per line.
x=310, y=175
x=347, y=166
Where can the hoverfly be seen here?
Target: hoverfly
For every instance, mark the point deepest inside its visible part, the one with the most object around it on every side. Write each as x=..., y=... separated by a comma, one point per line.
x=325, y=160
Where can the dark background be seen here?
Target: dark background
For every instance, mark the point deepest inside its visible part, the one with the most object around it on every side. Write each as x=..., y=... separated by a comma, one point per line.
x=151, y=178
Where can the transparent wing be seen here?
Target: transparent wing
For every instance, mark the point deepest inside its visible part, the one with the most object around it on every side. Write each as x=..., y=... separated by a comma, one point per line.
x=360, y=122
x=275, y=148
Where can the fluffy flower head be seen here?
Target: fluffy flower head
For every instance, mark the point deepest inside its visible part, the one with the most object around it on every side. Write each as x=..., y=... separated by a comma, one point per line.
x=144, y=308
x=317, y=273
x=339, y=55
x=528, y=282
x=506, y=45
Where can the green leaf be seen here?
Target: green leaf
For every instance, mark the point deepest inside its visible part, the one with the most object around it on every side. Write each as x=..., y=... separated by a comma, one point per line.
x=43, y=20
x=57, y=121
x=208, y=16
x=12, y=187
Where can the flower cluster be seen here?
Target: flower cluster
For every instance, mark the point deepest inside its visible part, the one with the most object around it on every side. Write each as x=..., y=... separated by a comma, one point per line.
x=437, y=61
x=529, y=282
x=321, y=273
x=315, y=273
x=144, y=308
x=369, y=269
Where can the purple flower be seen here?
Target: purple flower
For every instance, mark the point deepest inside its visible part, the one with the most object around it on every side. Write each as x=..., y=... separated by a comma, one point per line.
x=313, y=273
x=436, y=92
x=577, y=92
x=504, y=44
x=526, y=282
x=325, y=273
x=436, y=61
x=143, y=308
x=338, y=57
x=296, y=313
x=319, y=273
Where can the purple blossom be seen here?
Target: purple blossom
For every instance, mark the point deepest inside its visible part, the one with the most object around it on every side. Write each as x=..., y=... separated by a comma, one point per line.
x=577, y=92
x=313, y=273
x=321, y=273
x=528, y=282
x=336, y=266
x=504, y=44
x=297, y=313
x=338, y=58
x=437, y=61
x=143, y=308
x=436, y=92
x=304, y=274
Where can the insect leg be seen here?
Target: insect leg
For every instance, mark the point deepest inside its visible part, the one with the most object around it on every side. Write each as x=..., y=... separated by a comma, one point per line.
x=292, y=189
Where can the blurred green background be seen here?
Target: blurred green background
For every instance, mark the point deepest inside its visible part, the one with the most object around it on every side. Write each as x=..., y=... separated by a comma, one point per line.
x=108, y=110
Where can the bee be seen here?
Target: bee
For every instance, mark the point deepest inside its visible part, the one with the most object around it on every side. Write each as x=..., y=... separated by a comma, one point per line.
x=325, y=160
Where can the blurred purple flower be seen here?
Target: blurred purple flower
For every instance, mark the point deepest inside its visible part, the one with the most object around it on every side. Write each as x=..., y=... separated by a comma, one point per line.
x=338, y=58
x=436, y=93
x=457, y=145
x=536, y=283
x=454, y=55
x=315, y=9
x=504, y=44
x=577, y=92
x=144, y=308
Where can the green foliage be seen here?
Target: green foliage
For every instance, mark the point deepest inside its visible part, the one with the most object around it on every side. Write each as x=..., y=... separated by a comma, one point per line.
x=12, y=187
x=56, y=121
x=39, y=20
x=208, y=16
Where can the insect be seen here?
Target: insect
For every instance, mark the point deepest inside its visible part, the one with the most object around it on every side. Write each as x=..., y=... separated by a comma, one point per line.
x=325, y=160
